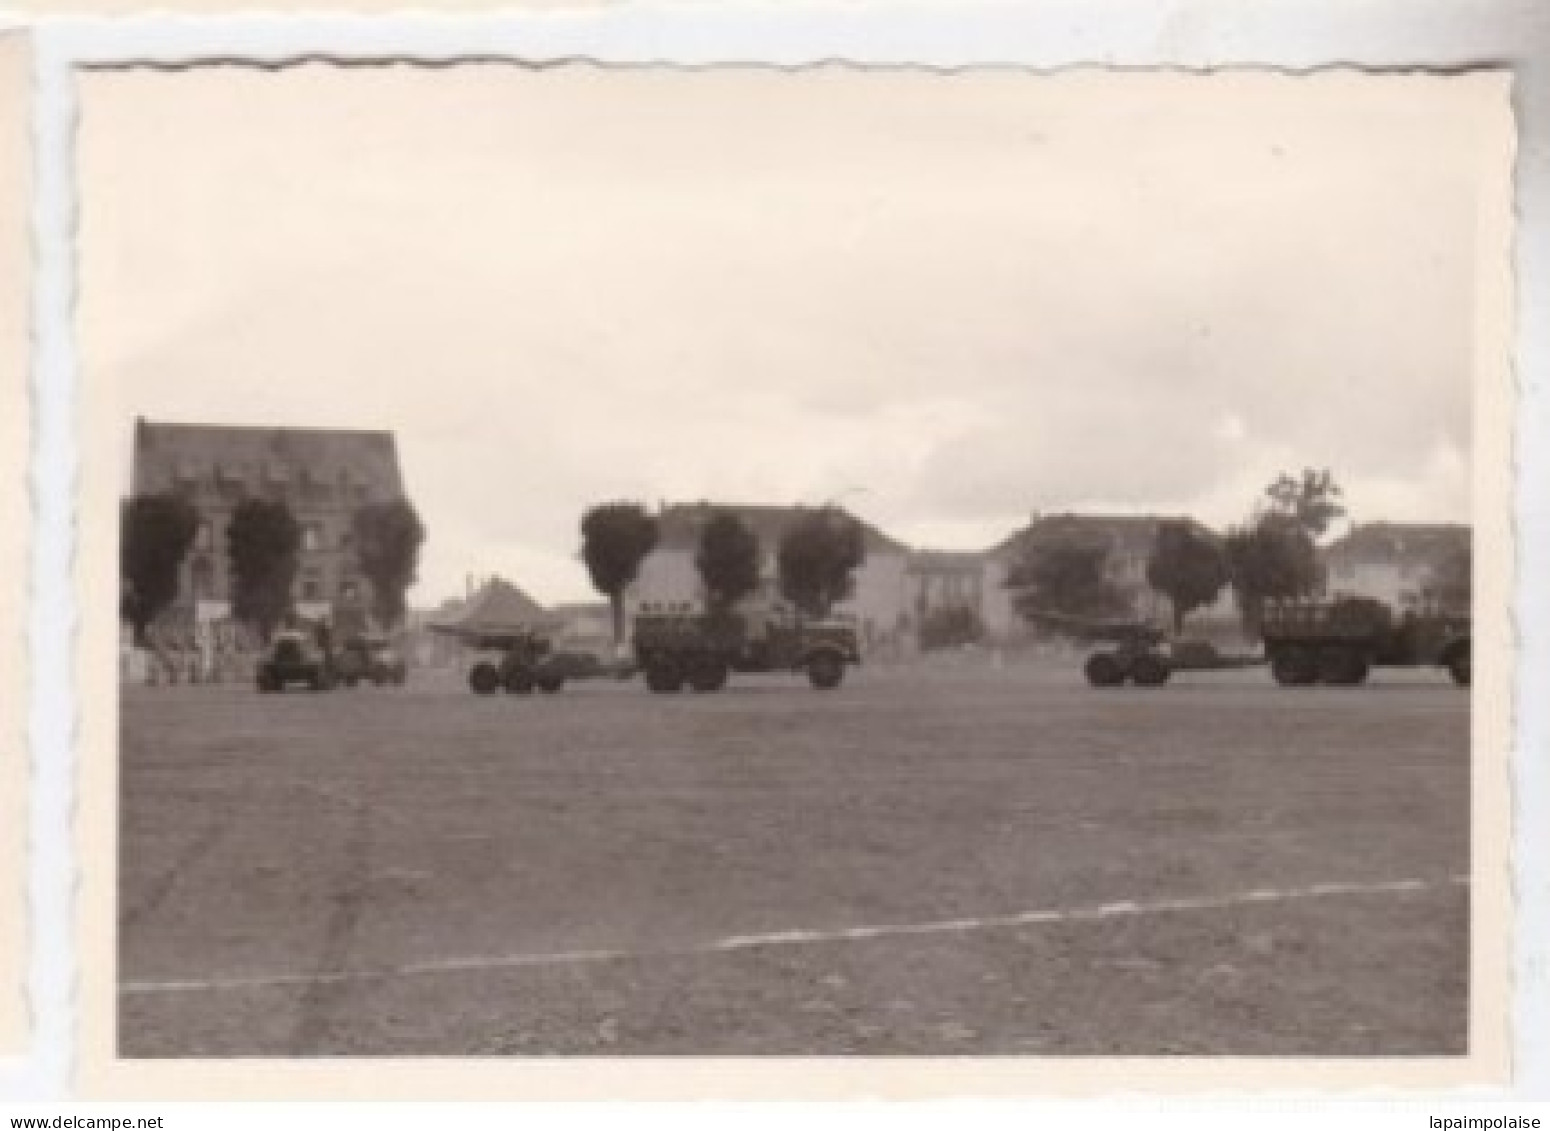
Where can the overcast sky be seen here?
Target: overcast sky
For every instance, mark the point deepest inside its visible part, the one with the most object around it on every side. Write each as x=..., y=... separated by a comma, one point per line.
x=944, y=301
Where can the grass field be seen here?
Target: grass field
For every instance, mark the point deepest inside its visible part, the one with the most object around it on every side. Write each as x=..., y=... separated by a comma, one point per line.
x=943, y=862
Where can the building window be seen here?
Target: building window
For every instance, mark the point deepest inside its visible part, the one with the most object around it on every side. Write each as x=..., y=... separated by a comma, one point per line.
x=349, y=589
x=311, y=586
x=311, y=538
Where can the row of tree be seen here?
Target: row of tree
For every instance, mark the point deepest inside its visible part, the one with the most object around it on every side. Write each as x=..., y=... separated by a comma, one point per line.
x=263, y=548
x=1272, y=556
x=816, y=559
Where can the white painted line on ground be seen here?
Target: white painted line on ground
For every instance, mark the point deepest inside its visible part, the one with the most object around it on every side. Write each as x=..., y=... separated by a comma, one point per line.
x=1097, y=912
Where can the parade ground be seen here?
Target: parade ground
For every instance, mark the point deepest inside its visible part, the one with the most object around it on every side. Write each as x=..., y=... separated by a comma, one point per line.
x=938, y=860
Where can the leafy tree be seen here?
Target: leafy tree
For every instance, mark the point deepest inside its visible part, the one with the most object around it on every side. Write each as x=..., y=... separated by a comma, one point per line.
x=1311, y=500
x=155, y=535
x=1272, y=558
x=264, y=543
x=1451, y=580
x=818, y=557
x=950, y=627
x=1188, y=566
x=1066, y=575
x=615, y=539
x=728, y=560
x=388, y=536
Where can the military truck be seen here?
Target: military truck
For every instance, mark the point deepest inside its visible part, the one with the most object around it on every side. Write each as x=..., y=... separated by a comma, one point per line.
x=1339, y=641
x=682, y=647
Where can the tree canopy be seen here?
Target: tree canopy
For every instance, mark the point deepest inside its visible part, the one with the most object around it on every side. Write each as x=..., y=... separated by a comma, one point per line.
x=728, y=560
x=155, y=535
x=818, y=557
x=264, y=543
x=1311, y=500
x=388, y=537
x=1271, y=558
x=1066, y=575
x=1188, y=566
x=615, y=539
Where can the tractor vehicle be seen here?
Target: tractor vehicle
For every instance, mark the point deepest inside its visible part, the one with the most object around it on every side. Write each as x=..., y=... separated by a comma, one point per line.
x=1339, y=641
x=522, y=662
x=1141, y=654
x=296, y=657
x=681, y=647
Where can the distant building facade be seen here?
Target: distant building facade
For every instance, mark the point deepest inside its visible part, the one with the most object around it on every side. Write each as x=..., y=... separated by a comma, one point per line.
x=669, y=577
x=323, y=475
x=1395, y=562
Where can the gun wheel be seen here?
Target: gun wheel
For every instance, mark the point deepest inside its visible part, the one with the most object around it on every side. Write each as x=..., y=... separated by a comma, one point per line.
x=1459, y=666
x=484, y=678
x=825, y=671
x=1103, y=669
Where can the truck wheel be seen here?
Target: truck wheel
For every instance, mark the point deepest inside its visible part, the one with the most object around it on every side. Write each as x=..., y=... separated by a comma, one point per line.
x=664, y=678
x=550, y=682
x=1459, y=665
x=484, y=678
x=517, y=681
x=1149, y=670
x=1294, y=667
x=267, y=682
x=825, y=671
x=1342, y=667
x=1103, y=669
x=709, y=674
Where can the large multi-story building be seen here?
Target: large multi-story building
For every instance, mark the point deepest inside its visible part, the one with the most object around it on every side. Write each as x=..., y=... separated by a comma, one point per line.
x=1403, y=564
x=324, y=475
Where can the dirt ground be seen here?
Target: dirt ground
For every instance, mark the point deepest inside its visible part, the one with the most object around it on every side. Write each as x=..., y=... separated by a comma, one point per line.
x=973, y=861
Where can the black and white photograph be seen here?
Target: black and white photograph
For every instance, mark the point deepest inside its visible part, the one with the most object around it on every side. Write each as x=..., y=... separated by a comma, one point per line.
x=628, y=561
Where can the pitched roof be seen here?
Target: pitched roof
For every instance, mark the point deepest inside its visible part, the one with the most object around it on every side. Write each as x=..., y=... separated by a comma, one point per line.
x=680, y=524
x=1400, y=541
x=166, y=454
x=498, y=609
x=1129, y=533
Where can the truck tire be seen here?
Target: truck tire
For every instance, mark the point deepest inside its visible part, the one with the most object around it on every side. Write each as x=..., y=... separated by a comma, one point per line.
x=708, y=674
x=484, y=678
x=1103, y=669
x=550, y=682
x=1459, y=665
x=1342, y=667
x=1294, y=667
x=825, y=671
x=664, y=677
x=267, y=682
x=1149, y=671
x=517, y=680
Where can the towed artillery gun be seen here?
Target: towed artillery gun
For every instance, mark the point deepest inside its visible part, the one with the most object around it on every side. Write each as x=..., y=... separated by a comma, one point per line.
x=1338, y=642
x=678, y=647
x=513, y=632
x=1140, y=653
